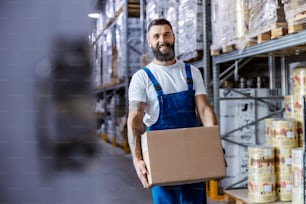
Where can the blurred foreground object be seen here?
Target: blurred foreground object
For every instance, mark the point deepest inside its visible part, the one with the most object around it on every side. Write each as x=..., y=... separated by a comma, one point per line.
x=66, y=121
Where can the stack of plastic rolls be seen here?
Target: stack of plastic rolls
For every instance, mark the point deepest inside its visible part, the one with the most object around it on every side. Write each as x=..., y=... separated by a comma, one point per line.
x=261, y=174
x=284, y=139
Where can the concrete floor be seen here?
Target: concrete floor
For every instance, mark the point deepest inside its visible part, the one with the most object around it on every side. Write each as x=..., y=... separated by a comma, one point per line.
x=109, y=179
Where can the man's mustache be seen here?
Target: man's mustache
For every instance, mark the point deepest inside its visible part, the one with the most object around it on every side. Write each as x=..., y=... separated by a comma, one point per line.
x=164, y=44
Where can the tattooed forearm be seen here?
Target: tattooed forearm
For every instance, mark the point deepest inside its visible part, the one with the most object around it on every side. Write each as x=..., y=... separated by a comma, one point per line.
x=135, y=106
x=135, y=127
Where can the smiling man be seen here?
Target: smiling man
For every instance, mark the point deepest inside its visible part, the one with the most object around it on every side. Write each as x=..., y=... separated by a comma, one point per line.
x=166, y=94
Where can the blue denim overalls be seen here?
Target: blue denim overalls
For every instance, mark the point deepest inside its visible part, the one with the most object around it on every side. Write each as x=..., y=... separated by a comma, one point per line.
x=177, y=110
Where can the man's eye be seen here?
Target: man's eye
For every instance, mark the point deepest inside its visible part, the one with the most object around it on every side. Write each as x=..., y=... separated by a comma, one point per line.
x=155, y=37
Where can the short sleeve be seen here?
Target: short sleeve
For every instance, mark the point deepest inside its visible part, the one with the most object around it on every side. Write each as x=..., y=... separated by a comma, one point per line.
x=137, y=87
x=198, y=81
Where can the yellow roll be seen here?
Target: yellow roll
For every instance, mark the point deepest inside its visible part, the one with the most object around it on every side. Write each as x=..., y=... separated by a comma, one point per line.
x=268, y=133
x=261, y=174
x=297, y=176
x=284, y=133
x=289, y=106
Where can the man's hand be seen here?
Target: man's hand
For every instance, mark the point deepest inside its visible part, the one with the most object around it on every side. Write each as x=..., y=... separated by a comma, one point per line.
x=141, y=170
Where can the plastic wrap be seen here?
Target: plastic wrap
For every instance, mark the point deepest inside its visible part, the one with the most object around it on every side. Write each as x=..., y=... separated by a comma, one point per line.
x=216, y=29
x=265, y=15
x=110, y=8
x=229, y=22
x=190, y=26
x=133, y=43
x=163, y=9
x=294, y=11
x=107, y=57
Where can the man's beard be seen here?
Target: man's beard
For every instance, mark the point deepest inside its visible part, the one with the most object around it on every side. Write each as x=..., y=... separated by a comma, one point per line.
x=164, y=57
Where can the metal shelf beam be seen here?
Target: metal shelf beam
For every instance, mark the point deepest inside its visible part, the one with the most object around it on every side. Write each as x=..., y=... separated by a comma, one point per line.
x=288, y=41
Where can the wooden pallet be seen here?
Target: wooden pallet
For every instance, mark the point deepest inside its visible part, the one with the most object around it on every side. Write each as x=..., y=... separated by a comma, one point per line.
x=222, y=50
x=297, y=23
x=276, y=31
x=294, y=28
x=273, y=33
x=240, y=196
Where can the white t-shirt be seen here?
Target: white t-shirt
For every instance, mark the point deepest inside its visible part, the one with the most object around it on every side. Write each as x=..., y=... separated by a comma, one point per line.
x=171, y=78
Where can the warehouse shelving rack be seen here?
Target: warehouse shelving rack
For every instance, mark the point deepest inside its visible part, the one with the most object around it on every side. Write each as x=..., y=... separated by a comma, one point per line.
x=284, y=48
x=272, y=48
x=108, y=91
x=130, y=8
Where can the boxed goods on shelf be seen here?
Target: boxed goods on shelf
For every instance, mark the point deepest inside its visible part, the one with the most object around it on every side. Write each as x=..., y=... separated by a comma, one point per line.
x=266, y=16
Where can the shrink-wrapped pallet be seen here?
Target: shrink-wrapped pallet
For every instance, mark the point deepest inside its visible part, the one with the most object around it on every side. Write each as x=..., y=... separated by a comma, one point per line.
x=294, y=10
x=190, y=28
x=107, y=57
x=229, y=22
x=222, y=23
x=133, y=45
x=265, y=15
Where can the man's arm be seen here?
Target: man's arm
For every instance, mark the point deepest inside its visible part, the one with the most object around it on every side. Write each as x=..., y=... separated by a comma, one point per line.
x=205, y=111
x=135, y=129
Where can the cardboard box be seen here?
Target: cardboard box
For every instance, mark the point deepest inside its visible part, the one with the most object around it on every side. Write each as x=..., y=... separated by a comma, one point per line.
x=180, y=156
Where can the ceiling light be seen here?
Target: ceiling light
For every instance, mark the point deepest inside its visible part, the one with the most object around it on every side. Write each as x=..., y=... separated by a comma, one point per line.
x=94, y=15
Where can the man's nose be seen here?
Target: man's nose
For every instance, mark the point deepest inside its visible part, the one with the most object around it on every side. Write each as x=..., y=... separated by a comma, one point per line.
x=162, y=38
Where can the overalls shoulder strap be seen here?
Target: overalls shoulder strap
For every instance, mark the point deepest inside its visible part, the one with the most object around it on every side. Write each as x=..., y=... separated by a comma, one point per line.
x=154, y=81
x=189, y=76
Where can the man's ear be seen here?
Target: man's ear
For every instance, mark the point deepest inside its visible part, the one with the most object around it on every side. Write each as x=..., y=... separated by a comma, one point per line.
x=148, y=41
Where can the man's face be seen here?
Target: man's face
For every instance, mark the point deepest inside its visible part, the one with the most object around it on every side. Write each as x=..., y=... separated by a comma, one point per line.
x=161, y=40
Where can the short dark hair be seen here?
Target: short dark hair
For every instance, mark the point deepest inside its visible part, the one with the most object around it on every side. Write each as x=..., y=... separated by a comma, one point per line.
x=159, y=21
